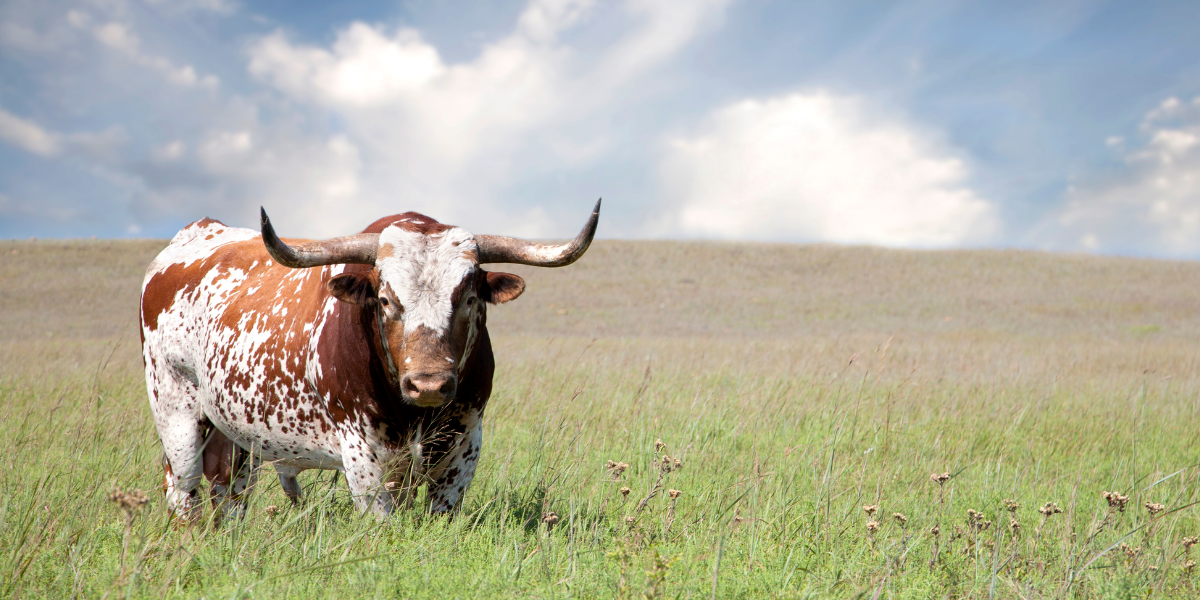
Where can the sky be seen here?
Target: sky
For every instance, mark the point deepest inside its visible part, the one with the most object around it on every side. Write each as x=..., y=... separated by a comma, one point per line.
x=1067, y=126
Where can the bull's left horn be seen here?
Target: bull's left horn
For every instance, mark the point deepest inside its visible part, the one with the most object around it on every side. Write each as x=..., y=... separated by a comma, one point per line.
x=358, y=249
x=501, y=249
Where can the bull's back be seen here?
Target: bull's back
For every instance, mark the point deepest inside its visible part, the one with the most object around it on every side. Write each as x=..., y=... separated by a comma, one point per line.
x=216, y=308
x=175, y=277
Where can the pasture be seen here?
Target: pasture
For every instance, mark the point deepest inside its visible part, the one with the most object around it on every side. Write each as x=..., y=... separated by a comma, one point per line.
x=795, y=385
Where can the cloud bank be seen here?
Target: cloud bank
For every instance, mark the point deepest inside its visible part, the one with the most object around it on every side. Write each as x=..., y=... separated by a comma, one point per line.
x=694, y=119
x=818, y=166
x=1151, y=205
x=449, y=138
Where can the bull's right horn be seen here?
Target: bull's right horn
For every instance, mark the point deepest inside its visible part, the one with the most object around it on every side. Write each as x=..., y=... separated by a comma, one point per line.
x=501, y=249
x=356, y=249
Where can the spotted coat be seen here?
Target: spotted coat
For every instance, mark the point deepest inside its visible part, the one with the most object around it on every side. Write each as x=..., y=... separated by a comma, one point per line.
x=250, y=361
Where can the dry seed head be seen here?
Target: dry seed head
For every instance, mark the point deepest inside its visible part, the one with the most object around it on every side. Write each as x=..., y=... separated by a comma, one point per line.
x=1014, y=525
x=935, y=531
x=391, y=485
x=1154, y=508
x=659, y=446
x=870, y=509
x=1049, y=508
x=1011, y=505
x=939, y=478
x=900, y=519
x=678, y=464
x=973, y=515
x=872, y=526
x=1131, y=551
x=1115, y=500
x=128, y=501
x=271, y=510
x=550, y=518
x=674, y=494
x=625, y=491
x=666, y=463
x=1188, y=566
x=616, y=468
x=1188, y=542
x=629, y=521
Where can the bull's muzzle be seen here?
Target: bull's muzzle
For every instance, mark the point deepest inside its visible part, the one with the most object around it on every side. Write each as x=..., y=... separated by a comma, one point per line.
x=429, y=389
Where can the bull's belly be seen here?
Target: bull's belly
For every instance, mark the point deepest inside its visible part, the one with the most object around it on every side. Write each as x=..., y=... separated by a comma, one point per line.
x=299, y=435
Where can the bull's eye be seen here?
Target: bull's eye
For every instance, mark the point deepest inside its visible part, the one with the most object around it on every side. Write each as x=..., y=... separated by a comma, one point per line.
x=383, y=301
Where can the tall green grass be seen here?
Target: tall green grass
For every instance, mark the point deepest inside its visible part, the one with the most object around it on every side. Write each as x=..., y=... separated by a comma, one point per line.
x=776, y=469
x=795, y=385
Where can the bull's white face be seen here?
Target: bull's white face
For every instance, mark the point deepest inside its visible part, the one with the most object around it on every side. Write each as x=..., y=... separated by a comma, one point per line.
x=427, y=292
x=428, y=309
x=420, y=273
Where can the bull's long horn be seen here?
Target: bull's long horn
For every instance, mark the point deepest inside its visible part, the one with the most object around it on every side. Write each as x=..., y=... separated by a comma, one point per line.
x=359, y=249
x=501, y=249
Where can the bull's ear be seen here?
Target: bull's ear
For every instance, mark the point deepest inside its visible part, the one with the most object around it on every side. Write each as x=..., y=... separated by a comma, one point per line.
x=502, y=287
x=355, y=288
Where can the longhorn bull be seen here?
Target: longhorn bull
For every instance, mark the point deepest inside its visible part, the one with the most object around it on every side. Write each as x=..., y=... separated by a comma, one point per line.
x=368, y=354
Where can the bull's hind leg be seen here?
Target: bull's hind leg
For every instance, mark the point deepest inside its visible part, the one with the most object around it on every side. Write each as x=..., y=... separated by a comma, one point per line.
x=181, y=429
x=231, y=472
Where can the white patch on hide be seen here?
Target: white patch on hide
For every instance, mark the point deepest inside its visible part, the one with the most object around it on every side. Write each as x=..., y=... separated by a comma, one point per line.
x=423, y=271
x=196, y=243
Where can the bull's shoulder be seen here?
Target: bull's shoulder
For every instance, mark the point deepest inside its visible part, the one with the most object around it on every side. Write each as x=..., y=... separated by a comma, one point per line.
x=207, y=230
x=196, y=250
x=197, y=243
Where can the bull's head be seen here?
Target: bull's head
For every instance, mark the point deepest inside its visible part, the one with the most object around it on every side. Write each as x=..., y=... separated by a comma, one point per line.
x=426, y=291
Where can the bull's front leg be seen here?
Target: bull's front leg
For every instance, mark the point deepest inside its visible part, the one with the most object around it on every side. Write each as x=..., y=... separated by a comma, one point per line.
x=365, y=475
x=452, y=475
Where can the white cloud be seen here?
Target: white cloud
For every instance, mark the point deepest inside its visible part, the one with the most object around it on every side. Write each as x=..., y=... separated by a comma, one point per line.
x=444, y=137
x=229, y=173
x=817, y=166
x=115, y=35
x=27, y=135
x=35, y=139
x=121, y=38
x=366, y=68
x=1152, y=205
x=171, y=151
x=376, y=121
x=37, y=29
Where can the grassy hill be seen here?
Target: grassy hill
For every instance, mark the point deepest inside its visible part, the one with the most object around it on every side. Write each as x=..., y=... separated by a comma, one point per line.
x=796, y=384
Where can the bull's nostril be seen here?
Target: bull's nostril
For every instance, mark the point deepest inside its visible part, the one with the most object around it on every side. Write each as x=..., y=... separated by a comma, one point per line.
x=447, y=388
x=409, y=386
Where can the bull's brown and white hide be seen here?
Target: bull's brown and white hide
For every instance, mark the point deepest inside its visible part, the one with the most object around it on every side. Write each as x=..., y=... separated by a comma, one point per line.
x=250, y=361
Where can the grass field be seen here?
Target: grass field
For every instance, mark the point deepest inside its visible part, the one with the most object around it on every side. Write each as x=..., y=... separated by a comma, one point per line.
x=795, y=384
